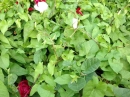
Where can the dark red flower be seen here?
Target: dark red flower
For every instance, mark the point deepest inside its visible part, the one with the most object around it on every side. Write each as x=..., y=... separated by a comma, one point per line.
x=16, y=2
x=43, y=0
x=24, y=88
x=36, y=1
x=30, y=9
x=78, y=11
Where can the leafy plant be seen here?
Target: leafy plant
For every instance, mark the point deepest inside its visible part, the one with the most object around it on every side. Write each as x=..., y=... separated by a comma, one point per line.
x=59, y=57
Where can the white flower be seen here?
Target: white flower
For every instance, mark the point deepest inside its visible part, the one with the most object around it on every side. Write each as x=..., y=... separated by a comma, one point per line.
x=41, y=6
x=75, y=23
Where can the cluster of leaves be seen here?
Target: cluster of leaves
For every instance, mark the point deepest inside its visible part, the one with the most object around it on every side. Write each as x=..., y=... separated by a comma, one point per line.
x=59, y=61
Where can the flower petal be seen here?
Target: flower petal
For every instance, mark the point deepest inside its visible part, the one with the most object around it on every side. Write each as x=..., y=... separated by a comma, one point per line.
x=75, y=23
x=78, y=11
x=24, y=89
x=41, y=7
x=30, y=9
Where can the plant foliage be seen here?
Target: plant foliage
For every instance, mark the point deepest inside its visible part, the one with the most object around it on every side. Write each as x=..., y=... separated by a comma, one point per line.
x=92, y=60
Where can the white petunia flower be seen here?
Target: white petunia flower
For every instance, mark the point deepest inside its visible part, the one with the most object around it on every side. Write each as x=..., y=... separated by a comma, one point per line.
x=41, y=6
x=75, y=23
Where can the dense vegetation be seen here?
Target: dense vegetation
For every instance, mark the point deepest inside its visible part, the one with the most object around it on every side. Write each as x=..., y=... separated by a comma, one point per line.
x=56, y=59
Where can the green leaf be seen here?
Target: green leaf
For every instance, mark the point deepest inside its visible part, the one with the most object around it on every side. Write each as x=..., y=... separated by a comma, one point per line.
x=23, y=16
x=51, y=67
x=84, y=16
x=76, y=40
x=89, y=26
x=87, y=48
x=18, y=23
x=28, y=27
x=128, y=59
x=109, y=91
x=51, y=64
x=114, y=35
x=34, y=16
x=39, y=55
x=3, y=90
x=12, y=78
x=121, y=92
x=101, y=54
x=38, y=70
x=106, y=37
x=124, y=29
x=63, y=79
x=108, y=29
x=66, y=92
x=103, y=24
x=1, y=75
x=94, y=88
x=34, y=89
x=4, y=39
x=95, y=32
x=4, y=61
x=68, y=55
x=68, y=32
x=33, y=34
x=90, y=65
x=66, y=63
x=3, y=26
x=125, y=74
x=93, y=15
x=77, y=86
x=44, y=93
x=10, y=13
x=18, y=70
x=2, y=16
x=116, y=65
x=109, y=75
x=10, y=22
x=68, y=19
x=119, y=19
x=17, y=56
x=59, y=50
x=89, y=77
x=39, y=28
x=47, y=40
x=49, y=80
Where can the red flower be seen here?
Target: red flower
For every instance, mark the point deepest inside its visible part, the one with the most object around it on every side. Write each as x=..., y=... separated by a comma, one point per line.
x=30, y=9
x=36, y=1
x=43, y=0
x=16, y=2
x=78, y=11
x=24, y=88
